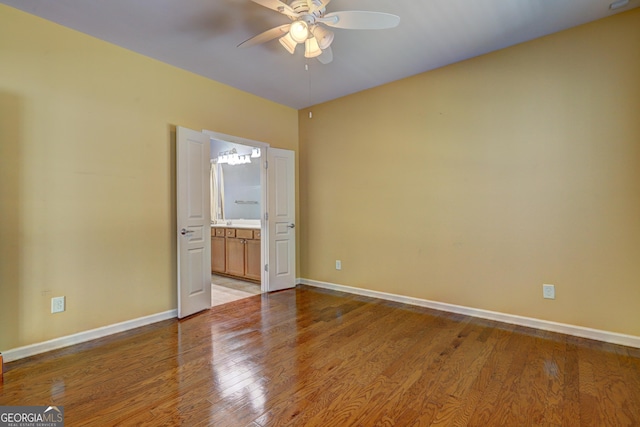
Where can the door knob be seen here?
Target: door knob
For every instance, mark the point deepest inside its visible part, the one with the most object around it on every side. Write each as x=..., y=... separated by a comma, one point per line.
x=291, y=226
x=184, y=231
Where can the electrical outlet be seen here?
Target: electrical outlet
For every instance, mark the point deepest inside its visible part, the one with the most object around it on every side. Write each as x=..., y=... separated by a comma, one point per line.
x=549, y=291
x=338, y=264
x=57, y=304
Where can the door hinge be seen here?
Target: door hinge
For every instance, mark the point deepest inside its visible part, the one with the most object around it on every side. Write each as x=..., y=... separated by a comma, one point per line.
x=266, y=216
x=266, y=268
x=266, y=164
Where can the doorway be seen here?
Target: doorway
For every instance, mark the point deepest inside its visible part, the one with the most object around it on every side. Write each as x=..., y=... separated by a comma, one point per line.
x=276, y=235
x=236, y=206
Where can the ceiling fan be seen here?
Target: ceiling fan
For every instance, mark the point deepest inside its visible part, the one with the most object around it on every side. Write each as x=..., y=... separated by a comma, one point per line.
x=307, y=26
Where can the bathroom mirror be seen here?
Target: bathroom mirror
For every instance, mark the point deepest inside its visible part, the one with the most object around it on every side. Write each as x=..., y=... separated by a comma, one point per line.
x=235, y=182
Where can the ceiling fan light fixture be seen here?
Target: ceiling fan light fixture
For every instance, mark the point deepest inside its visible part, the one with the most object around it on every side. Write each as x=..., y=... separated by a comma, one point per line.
x=289, y=43
x=323, y=36
x=299, y=31
x=311, y=48
x=308, y=21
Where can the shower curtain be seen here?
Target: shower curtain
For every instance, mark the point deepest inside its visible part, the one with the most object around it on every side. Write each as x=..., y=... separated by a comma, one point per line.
x=216, y=188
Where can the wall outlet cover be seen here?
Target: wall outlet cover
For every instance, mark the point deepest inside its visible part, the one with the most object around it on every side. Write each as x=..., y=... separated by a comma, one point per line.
x=548, y=291
x=57, y=304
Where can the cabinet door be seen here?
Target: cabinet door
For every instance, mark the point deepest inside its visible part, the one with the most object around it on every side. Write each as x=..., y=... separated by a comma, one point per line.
x=252, y=259
x=218, y=255
x=235, y=256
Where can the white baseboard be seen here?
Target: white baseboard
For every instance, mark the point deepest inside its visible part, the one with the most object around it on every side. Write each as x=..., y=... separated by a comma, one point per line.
x=80, y=337
x=579, y=331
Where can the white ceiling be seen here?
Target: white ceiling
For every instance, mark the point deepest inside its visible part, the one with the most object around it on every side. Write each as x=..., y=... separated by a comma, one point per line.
x=201, y=36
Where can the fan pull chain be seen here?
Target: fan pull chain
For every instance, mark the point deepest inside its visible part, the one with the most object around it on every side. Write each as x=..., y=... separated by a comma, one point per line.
x=306, y=68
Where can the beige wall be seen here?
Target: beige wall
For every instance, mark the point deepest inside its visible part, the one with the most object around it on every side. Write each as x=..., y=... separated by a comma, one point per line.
x=87, y=143
x=476, y=183
x=472, y=184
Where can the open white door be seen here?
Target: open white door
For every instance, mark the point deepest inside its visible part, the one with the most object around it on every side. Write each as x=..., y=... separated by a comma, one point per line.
x=194, y=222
x=282, y=216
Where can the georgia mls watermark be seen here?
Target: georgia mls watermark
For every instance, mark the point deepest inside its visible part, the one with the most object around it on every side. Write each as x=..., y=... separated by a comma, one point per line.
x=31, y=416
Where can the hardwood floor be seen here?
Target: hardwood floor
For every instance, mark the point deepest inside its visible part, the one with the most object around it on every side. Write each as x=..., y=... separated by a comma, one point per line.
x=312, y=357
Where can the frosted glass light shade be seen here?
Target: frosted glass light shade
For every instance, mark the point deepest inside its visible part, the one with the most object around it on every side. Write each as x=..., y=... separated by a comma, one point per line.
x=288, y=42
x=299, y=31
x=311, y=48
x=323, y=36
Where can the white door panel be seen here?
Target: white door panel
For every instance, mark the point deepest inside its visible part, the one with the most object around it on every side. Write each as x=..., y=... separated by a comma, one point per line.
x=194, y=223
x=283, y=251
x=282, y=216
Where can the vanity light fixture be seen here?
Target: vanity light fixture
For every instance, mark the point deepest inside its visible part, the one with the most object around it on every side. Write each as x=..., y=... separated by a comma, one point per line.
x=233, y=158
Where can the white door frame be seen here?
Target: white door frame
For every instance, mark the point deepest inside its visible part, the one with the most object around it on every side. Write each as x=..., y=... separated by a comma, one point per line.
x=264, y=229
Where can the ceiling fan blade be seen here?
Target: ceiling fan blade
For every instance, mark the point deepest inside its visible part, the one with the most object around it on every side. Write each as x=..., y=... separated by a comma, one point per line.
x=326, y=56
x=278, y=6
x=360, y=20
x=263, y=37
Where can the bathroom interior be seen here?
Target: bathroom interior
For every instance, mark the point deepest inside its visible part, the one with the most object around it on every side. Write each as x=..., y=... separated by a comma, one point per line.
x=236, y=207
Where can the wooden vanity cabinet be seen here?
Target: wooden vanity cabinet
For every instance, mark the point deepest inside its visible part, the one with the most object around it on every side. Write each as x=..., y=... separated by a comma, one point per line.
x=218, y=251
x=236, y=252
x=235, y=239
x=252, y=256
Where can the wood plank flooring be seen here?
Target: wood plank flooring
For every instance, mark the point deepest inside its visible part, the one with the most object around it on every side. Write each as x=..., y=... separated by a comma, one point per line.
x=312, y=357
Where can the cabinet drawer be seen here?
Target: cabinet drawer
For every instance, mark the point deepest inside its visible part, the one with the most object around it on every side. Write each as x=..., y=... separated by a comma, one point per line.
x=218, y=232
x=230, y=232
x=243, y=233
x=257, y=234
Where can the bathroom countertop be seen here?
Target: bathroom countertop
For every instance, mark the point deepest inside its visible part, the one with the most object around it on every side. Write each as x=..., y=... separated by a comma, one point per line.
x=251, y=226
